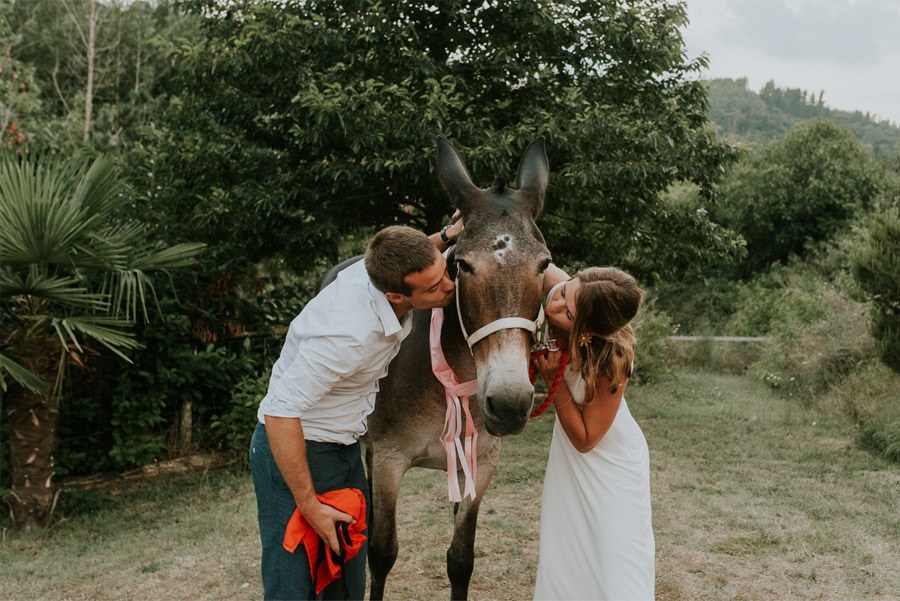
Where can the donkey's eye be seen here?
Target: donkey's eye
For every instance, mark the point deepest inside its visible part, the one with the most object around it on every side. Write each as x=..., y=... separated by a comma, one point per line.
x=464, y=267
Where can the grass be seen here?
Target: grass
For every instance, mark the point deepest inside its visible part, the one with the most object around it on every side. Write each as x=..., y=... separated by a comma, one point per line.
x=755, y=497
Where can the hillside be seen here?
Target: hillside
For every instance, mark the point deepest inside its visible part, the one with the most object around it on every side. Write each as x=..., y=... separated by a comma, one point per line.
x=744, y=115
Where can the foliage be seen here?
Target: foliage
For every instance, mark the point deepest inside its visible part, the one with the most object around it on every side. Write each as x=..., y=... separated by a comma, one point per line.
x=300, y=122
x=876, y=267
x=19, y=102
x=73, y=273
x=883, y=437
x=150, y=396
x=69, y=268
x=131, y=67
x=234, y=426
x=651, y=328
x=742, y=115
x=818, y=333
x=797, y=191
x=869, y=396
x=132, y=417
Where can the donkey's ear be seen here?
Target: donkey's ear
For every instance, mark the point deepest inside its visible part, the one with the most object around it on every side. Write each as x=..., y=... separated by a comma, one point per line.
x=453, y=175
x=533, y=174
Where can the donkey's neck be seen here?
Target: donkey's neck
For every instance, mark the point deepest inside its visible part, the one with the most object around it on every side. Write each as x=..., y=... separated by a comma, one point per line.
x=456, y=350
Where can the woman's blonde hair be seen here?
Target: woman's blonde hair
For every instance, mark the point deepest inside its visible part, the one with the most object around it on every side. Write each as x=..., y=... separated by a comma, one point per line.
x=602, y=341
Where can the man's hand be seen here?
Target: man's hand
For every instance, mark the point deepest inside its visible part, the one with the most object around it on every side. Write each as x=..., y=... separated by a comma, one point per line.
x=451, y=232
x=289, y=449
x=456, y=228
x=323, y=518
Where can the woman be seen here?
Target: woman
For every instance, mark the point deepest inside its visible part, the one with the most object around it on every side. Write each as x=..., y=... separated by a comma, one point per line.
x=596, y=535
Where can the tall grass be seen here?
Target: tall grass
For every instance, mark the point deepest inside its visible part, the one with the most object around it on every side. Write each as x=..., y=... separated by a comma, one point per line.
x=821, y=351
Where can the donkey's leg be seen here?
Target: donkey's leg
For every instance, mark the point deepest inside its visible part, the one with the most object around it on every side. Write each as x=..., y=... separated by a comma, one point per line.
x=385, y=476
x=461, y=554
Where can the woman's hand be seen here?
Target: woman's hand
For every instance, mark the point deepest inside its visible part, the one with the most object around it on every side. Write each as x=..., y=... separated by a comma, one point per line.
x=548, y=365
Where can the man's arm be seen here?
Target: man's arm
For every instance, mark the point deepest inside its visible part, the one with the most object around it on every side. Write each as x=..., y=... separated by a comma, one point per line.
x=285, y=436
x=451, y=232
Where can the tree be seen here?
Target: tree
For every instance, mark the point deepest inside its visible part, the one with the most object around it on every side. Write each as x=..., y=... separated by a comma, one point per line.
x=299, y=122
x=19, y=100
x=797, y=191
x=876, y=268
x=100, y=65
x=747, y=116
x=71, y=271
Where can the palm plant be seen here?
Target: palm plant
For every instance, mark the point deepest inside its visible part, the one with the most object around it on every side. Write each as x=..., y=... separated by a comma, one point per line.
x=72, y=272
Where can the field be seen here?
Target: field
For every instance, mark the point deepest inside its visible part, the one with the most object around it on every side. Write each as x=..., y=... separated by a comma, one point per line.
x=754, y=498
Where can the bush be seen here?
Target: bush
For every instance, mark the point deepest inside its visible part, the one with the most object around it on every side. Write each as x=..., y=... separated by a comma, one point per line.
x=818, y=333
x=233, y=428
x=870, y=397
x=876, y=267
x=883, y=437
x=125, y=416
x=800, y=189
x=651, y=328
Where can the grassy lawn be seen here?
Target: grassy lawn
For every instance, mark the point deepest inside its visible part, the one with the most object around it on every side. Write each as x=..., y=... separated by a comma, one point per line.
x=754, y=498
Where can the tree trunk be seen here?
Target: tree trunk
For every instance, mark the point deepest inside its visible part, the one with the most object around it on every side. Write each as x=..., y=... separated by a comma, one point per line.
x=31, y=425
x=90, y=52
x=185, y=428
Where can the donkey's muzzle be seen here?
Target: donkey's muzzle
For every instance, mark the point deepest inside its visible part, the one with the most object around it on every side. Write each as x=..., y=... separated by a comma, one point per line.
x=506, y=412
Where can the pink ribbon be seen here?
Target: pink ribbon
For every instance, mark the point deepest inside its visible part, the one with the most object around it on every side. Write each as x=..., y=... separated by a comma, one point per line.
x=457, y=395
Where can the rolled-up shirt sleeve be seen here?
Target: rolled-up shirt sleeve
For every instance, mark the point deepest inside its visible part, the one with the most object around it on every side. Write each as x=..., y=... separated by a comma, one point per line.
x=321, y=362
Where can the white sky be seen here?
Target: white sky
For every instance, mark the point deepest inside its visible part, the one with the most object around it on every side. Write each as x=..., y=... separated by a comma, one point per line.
x=848, y=48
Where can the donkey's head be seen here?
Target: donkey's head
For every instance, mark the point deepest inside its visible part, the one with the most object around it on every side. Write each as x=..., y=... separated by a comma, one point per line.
x=500, y=258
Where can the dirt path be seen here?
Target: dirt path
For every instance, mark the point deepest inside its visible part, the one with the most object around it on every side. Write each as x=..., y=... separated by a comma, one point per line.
x=754, y=498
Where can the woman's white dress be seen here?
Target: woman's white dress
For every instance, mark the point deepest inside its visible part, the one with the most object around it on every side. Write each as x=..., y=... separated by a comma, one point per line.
x=596, y=533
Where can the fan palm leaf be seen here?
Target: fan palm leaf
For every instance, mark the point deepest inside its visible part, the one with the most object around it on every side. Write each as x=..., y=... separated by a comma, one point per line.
x=22, y=376
x=44, y=211
x=67, y=291
x=72, y=270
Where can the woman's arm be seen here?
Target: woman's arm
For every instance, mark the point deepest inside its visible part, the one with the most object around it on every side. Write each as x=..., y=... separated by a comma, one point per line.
x=552, y=276
x=451, y=232
x=586, y=425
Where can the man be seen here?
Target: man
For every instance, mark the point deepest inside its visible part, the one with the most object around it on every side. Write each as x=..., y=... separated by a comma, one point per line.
x=322, y=390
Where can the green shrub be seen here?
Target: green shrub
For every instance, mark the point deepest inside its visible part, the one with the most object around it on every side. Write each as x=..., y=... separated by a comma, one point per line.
x=876, y=267
x=699, y=307
x=806, y=359
x=776, y=300
x=802, y=188
x=818, y=333
x=883, y=438
x=125, y=415
x=725, y=357
x=233, y=427
x=871, y=396
x=651, y=328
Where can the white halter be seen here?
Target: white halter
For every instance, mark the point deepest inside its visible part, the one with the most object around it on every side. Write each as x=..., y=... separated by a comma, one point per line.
x=504, y=323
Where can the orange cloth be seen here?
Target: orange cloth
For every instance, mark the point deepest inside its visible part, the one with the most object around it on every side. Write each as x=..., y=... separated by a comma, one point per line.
x=348, y=500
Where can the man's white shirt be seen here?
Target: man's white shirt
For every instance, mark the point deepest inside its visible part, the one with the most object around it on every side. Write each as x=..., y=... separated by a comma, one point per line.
x=335, y=352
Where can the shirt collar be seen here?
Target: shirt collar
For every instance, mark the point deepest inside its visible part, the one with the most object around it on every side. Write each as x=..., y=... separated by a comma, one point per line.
x=385, y=312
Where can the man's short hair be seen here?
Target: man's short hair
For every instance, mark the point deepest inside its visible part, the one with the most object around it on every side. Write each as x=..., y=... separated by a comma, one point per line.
x=396, y=252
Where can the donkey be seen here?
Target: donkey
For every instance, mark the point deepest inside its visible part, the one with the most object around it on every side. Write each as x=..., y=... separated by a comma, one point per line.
x=498, y=264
